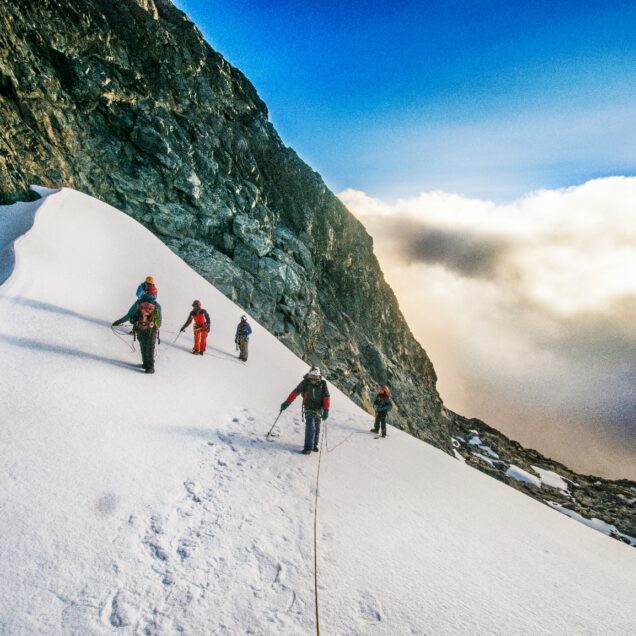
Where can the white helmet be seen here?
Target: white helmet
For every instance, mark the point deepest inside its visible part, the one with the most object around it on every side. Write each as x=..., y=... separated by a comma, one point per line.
x=314, y=372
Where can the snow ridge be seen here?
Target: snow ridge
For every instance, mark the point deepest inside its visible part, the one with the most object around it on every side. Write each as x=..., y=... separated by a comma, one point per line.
x=15, y=220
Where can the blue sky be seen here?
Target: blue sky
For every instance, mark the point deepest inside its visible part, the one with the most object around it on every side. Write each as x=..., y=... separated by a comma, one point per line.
x=488, y=99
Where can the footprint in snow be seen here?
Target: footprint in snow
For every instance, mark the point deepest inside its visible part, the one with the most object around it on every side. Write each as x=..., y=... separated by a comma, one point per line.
x=168, y=579
x=155, y=525
x=120, y=613
x=228, y=439
x=369, y=608
x=194, y=491
x=183, y=551
x=278, y=568
x=158, y=552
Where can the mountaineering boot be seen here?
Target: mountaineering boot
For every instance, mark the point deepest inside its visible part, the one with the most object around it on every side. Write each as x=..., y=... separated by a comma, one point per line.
x=195, y=352
x=150, y=370
x=374, y=430
x=306, y=451
x=316, y=449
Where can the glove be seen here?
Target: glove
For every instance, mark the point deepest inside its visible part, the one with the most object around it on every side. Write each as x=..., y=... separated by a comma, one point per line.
x=182, y=330
x=325, y=414
x=284, y=405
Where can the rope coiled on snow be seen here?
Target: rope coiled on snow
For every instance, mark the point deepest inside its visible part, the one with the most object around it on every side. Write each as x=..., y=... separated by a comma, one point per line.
x=119, y=335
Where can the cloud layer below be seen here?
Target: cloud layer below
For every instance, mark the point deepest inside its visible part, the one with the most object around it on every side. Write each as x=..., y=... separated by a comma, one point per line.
x=528, y=310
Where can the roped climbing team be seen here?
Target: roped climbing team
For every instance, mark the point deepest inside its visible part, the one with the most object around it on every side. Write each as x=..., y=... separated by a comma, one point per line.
x=145, y=317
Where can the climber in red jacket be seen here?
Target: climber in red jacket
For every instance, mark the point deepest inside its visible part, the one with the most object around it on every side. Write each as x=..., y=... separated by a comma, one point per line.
x=316, y=403
x=201, y=328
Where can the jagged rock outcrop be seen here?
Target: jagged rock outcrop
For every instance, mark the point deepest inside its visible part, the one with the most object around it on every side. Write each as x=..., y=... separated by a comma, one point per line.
x=124, y=100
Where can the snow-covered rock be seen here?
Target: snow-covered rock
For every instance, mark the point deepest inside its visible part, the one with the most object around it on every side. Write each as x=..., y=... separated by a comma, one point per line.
x=550, y=478
x=523, y=475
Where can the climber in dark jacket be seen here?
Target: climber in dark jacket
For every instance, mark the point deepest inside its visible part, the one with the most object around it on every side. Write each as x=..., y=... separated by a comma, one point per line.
x=146, y=321
x=242, y=338
x=382, y=405
x=316, y=403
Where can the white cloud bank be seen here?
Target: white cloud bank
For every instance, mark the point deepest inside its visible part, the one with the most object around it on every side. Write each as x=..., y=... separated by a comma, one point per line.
x=528, y=310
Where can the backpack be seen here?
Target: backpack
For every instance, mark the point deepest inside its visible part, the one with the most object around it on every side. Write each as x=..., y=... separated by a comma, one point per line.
x=313, y=394
x=148, y=316
x=151, y=289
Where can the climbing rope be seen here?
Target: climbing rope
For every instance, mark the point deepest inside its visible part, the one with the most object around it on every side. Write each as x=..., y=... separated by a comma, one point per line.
x=341, y=442
x=119, y=335
x=316, y=538
x=323, y=443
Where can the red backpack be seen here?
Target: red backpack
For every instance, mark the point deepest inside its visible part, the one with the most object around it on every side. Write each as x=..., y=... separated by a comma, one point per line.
x=146, y=319
x=151, y=289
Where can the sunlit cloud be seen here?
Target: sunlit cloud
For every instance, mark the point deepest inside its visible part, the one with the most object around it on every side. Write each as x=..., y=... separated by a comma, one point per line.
x=528, y=310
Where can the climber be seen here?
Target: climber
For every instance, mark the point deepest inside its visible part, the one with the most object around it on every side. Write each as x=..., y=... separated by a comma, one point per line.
x=201, y=327
x=146, y=321
x=242, y=337
x=146, y=287
x=382, y=405
x=316, y=402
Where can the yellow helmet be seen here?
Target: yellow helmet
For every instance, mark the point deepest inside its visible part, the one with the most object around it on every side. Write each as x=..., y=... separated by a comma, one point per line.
x=150, y=279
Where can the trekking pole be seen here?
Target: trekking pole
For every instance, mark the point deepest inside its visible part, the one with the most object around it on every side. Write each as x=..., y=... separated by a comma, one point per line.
x=274, y=424
x=177, y=338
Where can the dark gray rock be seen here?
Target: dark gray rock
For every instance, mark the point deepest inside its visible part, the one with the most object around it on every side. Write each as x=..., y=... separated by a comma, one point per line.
x=149, y=140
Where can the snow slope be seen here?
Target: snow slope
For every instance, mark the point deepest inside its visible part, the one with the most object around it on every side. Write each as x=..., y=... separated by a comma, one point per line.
x=153, y=504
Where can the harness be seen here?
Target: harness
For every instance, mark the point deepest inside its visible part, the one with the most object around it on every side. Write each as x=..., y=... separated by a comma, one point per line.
x=199, y=320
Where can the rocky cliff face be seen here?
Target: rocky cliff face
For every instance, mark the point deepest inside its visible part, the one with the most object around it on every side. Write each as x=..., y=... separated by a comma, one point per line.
x=124, y=100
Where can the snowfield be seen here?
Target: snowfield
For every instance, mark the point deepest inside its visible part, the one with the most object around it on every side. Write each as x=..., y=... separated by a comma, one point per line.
x=154, y=504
